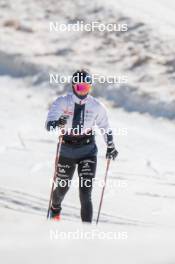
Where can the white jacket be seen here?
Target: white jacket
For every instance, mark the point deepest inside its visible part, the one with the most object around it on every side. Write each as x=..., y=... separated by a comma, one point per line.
x=95, y=113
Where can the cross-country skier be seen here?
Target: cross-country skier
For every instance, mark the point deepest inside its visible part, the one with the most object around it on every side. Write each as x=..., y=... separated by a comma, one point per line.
x=78, y=112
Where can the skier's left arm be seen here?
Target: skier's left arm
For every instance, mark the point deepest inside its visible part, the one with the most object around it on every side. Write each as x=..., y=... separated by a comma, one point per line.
x=103, y=123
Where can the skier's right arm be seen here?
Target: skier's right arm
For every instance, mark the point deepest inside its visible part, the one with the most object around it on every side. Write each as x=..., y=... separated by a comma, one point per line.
x=55, y=115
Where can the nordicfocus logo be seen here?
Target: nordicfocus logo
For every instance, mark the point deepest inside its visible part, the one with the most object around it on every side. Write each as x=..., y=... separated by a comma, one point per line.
x=88, y=27
x=56, y=78
x=89, y=235
x=88, y=131
x=112, y=185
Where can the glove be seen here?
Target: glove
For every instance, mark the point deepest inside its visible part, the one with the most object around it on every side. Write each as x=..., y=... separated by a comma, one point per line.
x=111, y=152
x=61, y=122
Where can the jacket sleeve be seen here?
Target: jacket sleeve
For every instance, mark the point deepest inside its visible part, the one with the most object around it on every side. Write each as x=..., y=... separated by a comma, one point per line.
x=103, y=123
x=56, y=110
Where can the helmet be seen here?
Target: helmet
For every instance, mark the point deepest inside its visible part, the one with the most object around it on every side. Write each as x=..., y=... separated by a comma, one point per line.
x=81, y=83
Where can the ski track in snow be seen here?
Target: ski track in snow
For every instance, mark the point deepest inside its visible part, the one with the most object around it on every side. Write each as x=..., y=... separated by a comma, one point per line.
x=28, y=203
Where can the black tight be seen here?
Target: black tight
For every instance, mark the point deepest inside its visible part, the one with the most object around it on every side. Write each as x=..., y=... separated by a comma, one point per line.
x=86, y=171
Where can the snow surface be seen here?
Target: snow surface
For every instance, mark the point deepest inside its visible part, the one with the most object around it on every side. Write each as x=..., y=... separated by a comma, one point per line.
x=159, y=14
x=141, y=204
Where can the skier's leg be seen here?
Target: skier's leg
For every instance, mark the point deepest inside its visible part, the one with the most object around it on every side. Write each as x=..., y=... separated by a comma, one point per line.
x=65, y=171
x=86, y=171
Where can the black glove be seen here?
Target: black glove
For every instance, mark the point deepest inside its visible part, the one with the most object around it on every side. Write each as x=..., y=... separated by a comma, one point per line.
x=111, y=152
x=61, y=122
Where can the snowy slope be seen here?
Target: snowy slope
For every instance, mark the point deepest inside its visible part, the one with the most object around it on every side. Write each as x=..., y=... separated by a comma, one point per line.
x=141, y=204
x=143, y=53
x=141, y=201
x=159, y=14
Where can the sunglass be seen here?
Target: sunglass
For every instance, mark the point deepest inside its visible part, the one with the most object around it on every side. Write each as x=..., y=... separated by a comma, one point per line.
x=82, y=88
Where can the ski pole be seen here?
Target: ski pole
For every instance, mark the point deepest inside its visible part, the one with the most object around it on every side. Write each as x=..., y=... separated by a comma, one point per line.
x=60, y=139
x=103, y=190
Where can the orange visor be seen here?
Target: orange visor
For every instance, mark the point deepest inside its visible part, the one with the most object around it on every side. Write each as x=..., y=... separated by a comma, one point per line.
x=82, y=88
